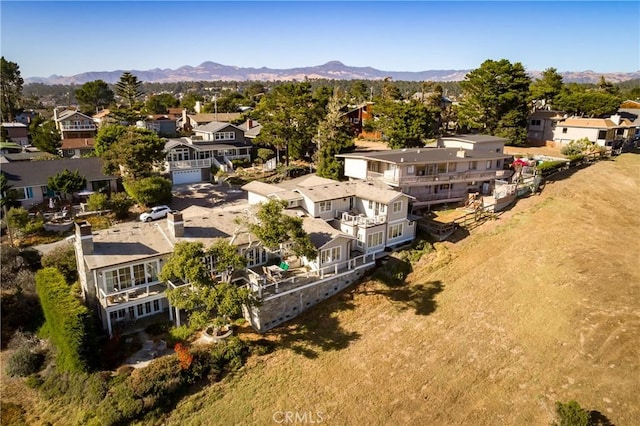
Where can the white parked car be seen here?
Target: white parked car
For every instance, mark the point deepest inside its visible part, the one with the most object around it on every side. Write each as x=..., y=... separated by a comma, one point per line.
x=157, y=212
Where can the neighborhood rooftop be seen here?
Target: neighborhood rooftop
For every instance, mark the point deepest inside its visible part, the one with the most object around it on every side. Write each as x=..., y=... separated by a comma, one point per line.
x=423, y=155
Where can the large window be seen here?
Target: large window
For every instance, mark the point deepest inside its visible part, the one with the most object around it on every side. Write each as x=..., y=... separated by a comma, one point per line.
x=325, y=206
x=374, y=240
x=330, y=255
x=473, y=165
x=395, y=231
x=397, y=206
x=255, y=256
x=129, y=276
x=442, y=167
x=602, y=134
x=224, y=136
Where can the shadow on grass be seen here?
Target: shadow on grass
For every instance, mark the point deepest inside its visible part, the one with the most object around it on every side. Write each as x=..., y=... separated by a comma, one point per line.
x=318, y=329
x=419, y=297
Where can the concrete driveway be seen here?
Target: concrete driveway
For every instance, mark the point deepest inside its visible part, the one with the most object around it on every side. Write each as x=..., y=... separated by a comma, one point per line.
x=206, y=195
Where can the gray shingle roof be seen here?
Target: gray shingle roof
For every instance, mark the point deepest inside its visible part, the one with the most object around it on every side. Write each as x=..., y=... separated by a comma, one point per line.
x=36, y=173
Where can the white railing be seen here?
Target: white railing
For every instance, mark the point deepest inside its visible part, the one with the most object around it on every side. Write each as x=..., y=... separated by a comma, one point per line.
x=361, y=220
x=190, y=164
x=273, y=287
x=131, y=294
x=78, y=127
x=441, y=177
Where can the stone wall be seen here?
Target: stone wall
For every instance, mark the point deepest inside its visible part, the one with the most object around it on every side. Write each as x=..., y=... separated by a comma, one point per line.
x=279, y=308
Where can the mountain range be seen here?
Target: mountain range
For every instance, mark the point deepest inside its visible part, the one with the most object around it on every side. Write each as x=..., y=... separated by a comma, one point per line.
x=335, y=70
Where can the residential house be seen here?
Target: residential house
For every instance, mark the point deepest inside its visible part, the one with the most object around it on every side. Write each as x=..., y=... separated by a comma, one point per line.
x=17, y=132
x=358, y=115
x=164, y=125
x=632, y=115
x=606, y=132
x=459, y=165
x=189, y=122
x=28, y=179
x=541, y=126
x=216, y=144
x=251, y=129
x=77, y=147
x=376, y=217
x=103, y=117
x=73, y=124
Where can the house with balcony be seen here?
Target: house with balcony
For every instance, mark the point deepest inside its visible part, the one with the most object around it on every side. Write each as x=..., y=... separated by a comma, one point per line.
x=73, y=124
x=190, y=122
x=119, y=267
x=606, y=132
x=190, y=159
x=448, y=173
x=376, y=217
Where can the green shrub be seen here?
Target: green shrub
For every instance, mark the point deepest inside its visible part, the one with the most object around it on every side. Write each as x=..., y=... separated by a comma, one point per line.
x=240, y=162
x=98, y=201
x=68, y=321
x=19, y=220
x=64, y=259
x=120, y=203
x=182, y=333
x=549, y=166
x=571, y=414
x=24, y=362
x=149, y=191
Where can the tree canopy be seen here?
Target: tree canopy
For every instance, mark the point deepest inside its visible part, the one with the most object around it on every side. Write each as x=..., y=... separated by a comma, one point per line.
x=289, y=118
x=129, y=88
x=94, y=95
x=545, y=89
x=11, y=83
x=580, y=100
x=160, y=104
x=495, y=99
x=135, y=154
x=44, y=135
x=334, y=137
x=405, y=124
x=275, y=229
x=107, y=135
x=67, y=182
x=205, y=298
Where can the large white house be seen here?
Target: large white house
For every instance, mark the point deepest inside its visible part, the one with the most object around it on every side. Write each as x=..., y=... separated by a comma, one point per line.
x=447, y=173
x=606, y=132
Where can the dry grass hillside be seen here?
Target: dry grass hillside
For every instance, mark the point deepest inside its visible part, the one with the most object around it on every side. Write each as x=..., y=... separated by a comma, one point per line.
x=539, y=306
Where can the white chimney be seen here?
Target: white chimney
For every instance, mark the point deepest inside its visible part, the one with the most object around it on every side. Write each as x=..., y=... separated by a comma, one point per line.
x=461, y=153
x=616, y=119
x=198, y=107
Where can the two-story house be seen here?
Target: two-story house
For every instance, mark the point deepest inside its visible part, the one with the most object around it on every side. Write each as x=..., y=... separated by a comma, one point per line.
x=189, y=160
x=445, y=174
x=541, y=126
x=605, y=132
x=375, y=217
x=77, y=131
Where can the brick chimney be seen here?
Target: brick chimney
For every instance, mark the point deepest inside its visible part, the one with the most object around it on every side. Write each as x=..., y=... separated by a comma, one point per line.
x=84, y=237
x=175, y=224
x=249, y=124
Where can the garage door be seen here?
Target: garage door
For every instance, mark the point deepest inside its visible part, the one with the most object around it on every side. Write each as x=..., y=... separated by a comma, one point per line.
x=186, y=176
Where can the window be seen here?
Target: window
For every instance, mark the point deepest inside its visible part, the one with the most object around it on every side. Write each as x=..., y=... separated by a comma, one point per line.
x=498, y=164
x=147, y=307
x=374, y=240
x=325, y=206
x=411, y=170
x=360, y=240
x=445, y=186
x=535, y=122
x=442, y=168
x=139, y=275
x=156, y=305
x=224, y=136
x=564, y=130
x=255, y=256
x=330, y=255
x=370, y=204
x=602, y=134
x=140, y=311
x=452, y=167
x=395, y=231
x=488, y=165
x=473, y=165
x=397, y=206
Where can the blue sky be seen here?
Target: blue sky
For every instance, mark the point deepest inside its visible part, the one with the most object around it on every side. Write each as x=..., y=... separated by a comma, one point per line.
x=72, y=37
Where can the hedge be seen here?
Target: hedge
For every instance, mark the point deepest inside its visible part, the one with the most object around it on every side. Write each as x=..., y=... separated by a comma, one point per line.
x=149, y=191
x=67, y=321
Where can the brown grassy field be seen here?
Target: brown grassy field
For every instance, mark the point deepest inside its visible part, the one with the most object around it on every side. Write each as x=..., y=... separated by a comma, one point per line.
x=539, y=306
x=542, y=305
